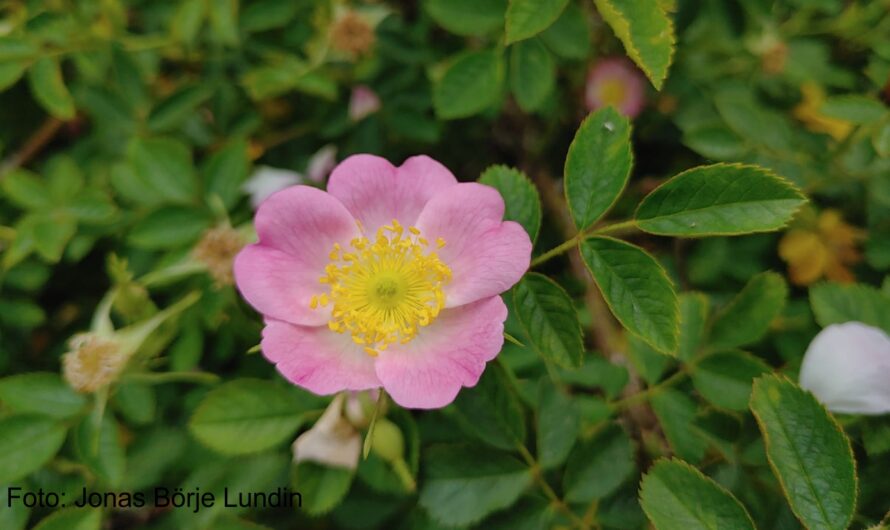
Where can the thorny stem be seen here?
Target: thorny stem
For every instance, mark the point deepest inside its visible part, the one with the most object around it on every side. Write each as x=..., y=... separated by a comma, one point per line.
x=548, y=490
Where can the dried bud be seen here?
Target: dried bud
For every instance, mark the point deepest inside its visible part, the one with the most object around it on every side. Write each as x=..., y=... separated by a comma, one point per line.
x=332, y=441
x=93, y=363
x=352, y=34
x=774, y=58
x=217, y=250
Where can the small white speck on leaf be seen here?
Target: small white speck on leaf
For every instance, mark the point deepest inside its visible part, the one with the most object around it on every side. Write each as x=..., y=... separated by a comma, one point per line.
x=609, y=126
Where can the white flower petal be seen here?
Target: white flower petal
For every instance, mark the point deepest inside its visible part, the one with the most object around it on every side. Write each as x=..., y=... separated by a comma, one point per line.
x=332, y=441
x=267, y=180
x=322, y=163
x=847, y=367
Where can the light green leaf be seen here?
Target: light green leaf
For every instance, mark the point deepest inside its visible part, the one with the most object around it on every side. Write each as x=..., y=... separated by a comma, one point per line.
x=248, y=416
x=558, y=424
x=747, y=317
x=569, y=36
x=322, y=487
x=226, y=170
x=468, y=17
x=527, y=18
x=637, y=290
x=676, y=412
x=491, y=410
x=549, y=319
x=72, y=519
x=646, y=32
x=523, y=204
x=597, y=165
x=52, y=232
x=532, y=74
x=163, y=166
x=834, y=303
x=41, y=393
x=598, y=466
x=26, y=443
x=11, y=72
x=48, y=87
x=471, y=84
x=102, y=451
x=136, y=402
x=170, y=227
x=693, y=317
x=224, y=21
x=722, y=199
x=26, y=189
x=676, y=496
x=463, y=484
x=854, y=108
x=725, y=378
x=809, y=453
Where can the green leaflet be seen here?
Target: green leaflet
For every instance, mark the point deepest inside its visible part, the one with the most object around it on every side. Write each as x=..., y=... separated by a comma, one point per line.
x=549, y=319
x=521, y=200
x=527, y=18
x=808, y=451
x=26, y=443
x=646, y=32
x=471, y=84
x=48, y=87
x=747, y=317
x=721, y=199
x=597, y=165
x=637, y=289
x=676, y=496
x=532, y=74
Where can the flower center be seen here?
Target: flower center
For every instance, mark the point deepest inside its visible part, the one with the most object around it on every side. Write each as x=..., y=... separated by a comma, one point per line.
x=383, y=291
x=612, y=92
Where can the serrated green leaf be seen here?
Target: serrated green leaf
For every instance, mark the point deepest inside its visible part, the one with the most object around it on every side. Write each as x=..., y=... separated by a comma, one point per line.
x=693, y=318
x=597, y=165
x=549, y=319
x=725, y=378
x=48, y=87
x=637, y=290
x=676, y=496
x=722, y=199
x=809, y=453
x=598, y=466
x=463, y=484
x=646, y=32
x=471, y=84
x=747, y=317
x=491, y=410
x=468, y=17
x=27, y=442
x=248, y=415
x=527, y=18
x=521, y=199
x=41, y=393
x=834, y=303
x=558, y=424
x=532, y=74
x=72, y=519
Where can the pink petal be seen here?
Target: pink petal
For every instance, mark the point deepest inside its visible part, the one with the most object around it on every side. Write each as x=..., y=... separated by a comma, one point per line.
x=450, y=353
x=376, y=192
x=486, y=256
x=620, y=70
x=363, y=102
x=318, y=359
x=297, y=228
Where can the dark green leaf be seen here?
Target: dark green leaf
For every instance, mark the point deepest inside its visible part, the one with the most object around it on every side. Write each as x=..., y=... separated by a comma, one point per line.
x=491, y=410
x=471, y=84
x=532, y=74
x=48, y=87
x=725, y=378
x=598, y=466
x=527, y=18
x=521, y=199
x=26, y=443
x=549, y=319
x=747, y=317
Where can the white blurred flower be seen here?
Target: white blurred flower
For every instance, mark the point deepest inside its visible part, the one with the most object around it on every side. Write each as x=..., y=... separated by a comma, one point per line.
x=322, y=163
x=332, y=441
x=847, y=367
x=362, y=103
x=267, y=180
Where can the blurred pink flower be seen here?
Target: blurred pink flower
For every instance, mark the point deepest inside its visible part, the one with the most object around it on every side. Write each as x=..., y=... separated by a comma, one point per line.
x=390, y=279
x=321, y=163
x=847, y=367
x=616, y=81
x=362, y=103
x=267, y=180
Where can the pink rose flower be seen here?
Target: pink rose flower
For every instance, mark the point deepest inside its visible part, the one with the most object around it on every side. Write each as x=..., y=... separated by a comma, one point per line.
x=362, y=103
x=389, y=279
x=616, y=81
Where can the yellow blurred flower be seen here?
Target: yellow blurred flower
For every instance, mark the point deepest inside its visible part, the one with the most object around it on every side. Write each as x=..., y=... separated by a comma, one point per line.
x=822, y=247
x=808, y=112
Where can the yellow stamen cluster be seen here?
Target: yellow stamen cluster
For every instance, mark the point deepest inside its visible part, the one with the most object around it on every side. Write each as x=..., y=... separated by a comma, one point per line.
x=383, y=290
